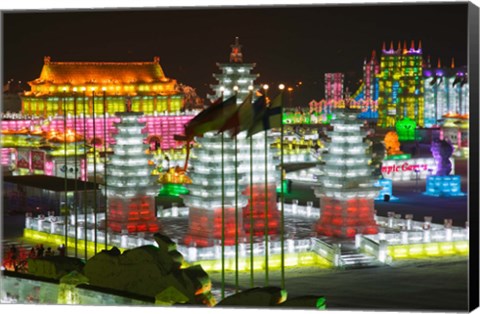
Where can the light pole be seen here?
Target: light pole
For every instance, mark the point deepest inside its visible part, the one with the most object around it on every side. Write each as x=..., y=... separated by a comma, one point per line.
x=85, y=170
x=250, y=88
x=66, y=169
x=105, y=163
x=222, y=90
x=290, y=90
x=75, y=201
x=265, y=89
x=281, y=87
x=94, y=172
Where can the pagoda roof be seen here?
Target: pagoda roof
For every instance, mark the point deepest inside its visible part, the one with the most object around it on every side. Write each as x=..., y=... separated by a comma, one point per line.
x=100, y=72
x=236, y=64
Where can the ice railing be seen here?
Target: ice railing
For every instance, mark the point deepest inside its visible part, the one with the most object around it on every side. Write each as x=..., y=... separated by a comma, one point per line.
x=292, y=210
x=331, y=252
x=393, y=231
x=273, y=246
x=396, y=232
x=55, y=225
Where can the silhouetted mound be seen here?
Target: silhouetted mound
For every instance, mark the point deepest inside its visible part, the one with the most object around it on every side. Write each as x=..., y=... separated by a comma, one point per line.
x=256, y=297
x=272, y=297
x=151, y=271
x=54, y=266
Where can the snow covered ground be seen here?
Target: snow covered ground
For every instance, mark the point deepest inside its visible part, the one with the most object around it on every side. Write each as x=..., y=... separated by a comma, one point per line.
x=422, y=285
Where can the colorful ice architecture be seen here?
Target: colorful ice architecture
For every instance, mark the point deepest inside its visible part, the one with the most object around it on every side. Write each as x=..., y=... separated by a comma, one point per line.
x=347, y=189
x=443, y=184
x=131, y=187
x=214, y=189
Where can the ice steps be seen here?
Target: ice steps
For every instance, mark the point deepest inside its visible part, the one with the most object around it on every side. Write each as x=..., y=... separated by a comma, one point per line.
x=358, y=260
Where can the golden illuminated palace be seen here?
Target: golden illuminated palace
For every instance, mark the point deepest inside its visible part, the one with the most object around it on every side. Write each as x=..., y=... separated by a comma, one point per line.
x=85, y=87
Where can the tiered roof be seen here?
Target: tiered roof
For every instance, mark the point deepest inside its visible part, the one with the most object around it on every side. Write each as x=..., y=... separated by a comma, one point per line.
x=116, y=78
x=76, y=73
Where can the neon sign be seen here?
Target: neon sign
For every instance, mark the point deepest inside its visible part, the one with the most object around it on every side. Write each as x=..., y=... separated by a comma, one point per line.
x=404, y=167
x=409, y=169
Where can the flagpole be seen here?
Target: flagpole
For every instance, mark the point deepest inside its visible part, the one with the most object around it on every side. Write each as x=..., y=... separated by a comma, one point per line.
x=105, y=163
x=223, y=211
x=282, y=197
x=66, y=169
x=75, y=202
x=94, y=174
x=251, y=210
x=265, y=88
x=235, y=88
x=85, y=171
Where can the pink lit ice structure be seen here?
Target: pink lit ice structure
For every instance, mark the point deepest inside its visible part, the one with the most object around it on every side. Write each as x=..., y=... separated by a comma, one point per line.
x=334, y=86
x=162, y=126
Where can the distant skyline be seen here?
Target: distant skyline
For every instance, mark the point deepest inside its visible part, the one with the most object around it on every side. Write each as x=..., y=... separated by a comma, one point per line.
x=289, y=44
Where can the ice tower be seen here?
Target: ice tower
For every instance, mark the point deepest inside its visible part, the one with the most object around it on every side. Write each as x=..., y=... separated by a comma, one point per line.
x=347, y=187
x=234, y=73
x=205, y=199
x=131, y=188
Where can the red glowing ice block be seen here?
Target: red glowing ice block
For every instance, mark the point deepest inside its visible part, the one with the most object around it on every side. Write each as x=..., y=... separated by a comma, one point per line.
x=258, y=213
x=133, y=215
x=345, y=218
x=205, y=227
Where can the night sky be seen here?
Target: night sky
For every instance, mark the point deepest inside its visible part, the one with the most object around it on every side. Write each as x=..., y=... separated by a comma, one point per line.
x=288, y=44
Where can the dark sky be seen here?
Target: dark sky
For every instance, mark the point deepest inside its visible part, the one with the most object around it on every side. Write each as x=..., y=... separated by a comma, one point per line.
x=288, y=44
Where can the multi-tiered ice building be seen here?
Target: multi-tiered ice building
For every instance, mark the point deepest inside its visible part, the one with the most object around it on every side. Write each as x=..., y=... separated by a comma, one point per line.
x=347, y=187
x=214, y=188
x=130, y=187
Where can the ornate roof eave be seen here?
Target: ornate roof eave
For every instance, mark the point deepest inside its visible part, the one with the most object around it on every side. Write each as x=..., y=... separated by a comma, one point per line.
x=237, y=65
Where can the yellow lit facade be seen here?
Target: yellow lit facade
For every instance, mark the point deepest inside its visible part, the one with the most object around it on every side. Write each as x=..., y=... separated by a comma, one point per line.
x=84, y=87
x=304, y=259
x=401, y=87
x=428, y=250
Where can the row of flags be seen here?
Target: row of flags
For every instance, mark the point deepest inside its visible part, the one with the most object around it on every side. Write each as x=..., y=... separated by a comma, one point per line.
x=226, y=116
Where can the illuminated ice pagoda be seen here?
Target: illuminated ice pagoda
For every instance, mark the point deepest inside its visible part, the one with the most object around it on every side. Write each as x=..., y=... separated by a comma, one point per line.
x=205, y=199
x=347, y=187
x=400, y=85
x=131, y=188
x=234, y=73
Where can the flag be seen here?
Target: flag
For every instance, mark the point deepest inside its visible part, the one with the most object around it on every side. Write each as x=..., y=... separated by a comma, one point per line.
x=245, y=115
x=211, y=119
x=271, y=117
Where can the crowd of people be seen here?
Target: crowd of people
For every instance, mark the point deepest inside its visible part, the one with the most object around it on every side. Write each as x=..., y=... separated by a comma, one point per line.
x=16, y=258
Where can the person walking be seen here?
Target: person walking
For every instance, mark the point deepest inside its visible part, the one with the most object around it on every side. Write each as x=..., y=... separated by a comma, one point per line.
x=40, y=251
x=61, y=250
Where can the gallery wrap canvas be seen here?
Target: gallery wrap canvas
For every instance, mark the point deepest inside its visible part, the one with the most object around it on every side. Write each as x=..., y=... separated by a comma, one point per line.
x=319, y=156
